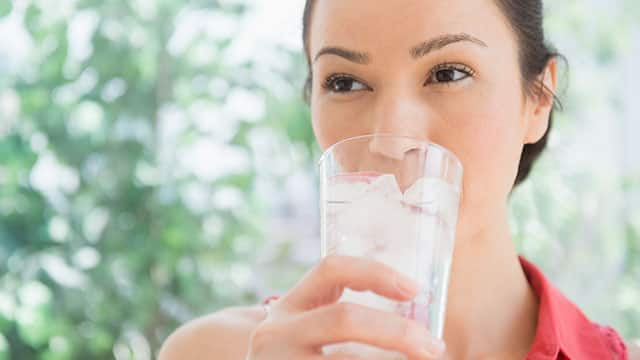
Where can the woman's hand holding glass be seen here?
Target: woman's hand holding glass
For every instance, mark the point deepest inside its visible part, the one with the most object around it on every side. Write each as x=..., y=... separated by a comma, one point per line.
x=308, y=317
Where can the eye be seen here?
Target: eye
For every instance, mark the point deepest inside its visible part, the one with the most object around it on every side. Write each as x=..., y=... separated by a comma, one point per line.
x=341, y=83
x=448, y=73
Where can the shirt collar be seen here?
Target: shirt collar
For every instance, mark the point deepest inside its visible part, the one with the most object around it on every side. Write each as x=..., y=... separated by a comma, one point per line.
x=562, y=328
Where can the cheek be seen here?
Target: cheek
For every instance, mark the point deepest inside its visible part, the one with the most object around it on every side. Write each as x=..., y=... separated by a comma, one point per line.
x=324, y=133
x=486, y=134
x=333, y=122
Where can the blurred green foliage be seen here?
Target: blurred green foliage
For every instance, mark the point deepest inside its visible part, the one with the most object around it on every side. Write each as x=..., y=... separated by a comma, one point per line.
x=132, y=192
x=100, y=254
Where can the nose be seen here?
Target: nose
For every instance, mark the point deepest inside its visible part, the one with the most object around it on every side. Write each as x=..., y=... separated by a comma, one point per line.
x=402, y=114
x=394, y=147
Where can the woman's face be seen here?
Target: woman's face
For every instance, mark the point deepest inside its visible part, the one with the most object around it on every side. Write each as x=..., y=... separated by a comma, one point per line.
x=447, y=71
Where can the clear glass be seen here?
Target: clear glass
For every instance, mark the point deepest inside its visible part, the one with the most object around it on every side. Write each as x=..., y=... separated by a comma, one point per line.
x=394, y=199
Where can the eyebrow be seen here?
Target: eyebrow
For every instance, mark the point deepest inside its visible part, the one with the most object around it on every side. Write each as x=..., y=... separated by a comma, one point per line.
x=416, y=52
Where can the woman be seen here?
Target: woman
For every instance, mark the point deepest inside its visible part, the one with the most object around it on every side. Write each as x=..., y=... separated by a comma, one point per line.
x=477, y=77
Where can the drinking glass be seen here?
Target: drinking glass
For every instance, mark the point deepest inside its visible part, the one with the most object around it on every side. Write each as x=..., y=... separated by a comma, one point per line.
x=393, y=199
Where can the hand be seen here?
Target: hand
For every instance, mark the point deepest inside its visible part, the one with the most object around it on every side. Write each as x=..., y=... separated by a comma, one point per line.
x=309, y=317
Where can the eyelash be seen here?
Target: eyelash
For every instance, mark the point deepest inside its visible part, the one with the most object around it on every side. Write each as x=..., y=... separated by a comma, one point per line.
x=330, y=81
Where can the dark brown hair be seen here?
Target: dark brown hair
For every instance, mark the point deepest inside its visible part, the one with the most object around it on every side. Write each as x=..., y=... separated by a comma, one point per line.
x=526, y=19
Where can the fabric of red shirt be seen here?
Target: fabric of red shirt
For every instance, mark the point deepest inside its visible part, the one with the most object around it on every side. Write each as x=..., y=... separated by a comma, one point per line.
x=563, y=331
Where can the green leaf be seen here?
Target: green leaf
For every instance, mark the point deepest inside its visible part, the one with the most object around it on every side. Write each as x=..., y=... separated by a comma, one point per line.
x=5, y=7
x=5, y=350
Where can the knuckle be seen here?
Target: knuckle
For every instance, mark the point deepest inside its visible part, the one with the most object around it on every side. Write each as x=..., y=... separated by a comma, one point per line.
x=346, y=316
x=330, y=266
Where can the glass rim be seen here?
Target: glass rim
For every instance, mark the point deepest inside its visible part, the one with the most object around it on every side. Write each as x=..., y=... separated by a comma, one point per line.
x=429, y=143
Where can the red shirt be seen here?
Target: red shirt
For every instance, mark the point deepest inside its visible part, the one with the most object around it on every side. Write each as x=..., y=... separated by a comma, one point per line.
x=563, y=331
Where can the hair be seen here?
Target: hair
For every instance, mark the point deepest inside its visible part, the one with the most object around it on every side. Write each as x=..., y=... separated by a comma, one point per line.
x=526, y=19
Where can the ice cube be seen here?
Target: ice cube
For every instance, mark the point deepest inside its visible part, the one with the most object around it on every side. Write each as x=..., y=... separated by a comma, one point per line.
x=385, y=185
x=423, y=190
x=352, y=186
x=435, y=196
x=379, y=226
x=376, y=220
x=339, y=191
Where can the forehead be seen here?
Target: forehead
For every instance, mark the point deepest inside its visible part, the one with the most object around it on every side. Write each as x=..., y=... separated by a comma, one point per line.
x=384, y=25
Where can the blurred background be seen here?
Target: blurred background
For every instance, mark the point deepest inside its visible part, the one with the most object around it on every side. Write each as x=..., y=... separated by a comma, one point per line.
x=157, y=163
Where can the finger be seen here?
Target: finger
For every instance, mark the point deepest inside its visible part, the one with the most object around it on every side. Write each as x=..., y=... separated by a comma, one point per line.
x=344, y=322
x=325, y=283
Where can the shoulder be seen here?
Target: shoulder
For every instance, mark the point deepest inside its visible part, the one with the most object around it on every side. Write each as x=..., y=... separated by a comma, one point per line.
x=624, y=350
x=581, y=337
x=225, y=333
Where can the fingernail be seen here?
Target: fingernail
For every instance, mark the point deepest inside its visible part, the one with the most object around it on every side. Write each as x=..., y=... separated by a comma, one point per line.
x=406, y=285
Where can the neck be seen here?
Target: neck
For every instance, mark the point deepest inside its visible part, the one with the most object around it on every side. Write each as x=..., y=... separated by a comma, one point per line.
x=491, y=309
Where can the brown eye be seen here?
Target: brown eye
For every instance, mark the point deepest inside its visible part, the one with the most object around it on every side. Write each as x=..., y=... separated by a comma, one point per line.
x=448, y=74
x=343, y=84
